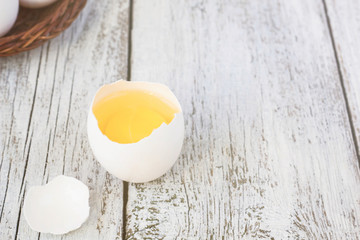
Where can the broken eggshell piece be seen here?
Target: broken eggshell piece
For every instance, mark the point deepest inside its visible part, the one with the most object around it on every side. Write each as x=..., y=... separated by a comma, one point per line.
x=151, y=156
x=58, y=207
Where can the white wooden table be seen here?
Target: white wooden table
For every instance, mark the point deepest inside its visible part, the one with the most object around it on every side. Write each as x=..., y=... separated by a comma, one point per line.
x=271, y=97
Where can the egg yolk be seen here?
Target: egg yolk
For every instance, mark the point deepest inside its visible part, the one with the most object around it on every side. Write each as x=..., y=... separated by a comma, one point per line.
x=129, y=116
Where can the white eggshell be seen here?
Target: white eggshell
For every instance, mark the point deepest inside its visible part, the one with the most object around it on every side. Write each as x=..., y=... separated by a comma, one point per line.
x=147, y=159
x=36, y=3
x=8, y=13
x=58, y=207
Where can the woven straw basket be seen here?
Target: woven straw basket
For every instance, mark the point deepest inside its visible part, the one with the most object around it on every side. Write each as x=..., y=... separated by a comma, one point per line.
x=34, y=27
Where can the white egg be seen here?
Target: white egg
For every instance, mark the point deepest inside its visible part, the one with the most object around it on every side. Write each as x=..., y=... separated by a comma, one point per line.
x=8, y=13
x=36, y=3
x=151, y=156
x=58, y=207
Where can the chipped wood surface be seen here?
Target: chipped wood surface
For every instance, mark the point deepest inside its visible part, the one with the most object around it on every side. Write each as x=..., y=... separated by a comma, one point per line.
x=45, y=96
x=269, y=150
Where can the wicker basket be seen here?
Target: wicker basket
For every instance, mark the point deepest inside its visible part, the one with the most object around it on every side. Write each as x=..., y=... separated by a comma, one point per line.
x=34, y=27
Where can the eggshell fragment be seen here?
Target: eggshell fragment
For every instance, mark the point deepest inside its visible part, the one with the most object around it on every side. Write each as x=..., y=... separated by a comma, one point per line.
x=58, y=207
x=8, y=13
x=149, y=158
x=36, y=3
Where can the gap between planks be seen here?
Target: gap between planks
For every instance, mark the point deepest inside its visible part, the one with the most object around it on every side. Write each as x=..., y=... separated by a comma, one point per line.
x=341, y=79
x=126, y=184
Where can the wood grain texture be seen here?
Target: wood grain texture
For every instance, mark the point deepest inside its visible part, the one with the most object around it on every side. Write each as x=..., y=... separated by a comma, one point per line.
x=44, y=100
x=268, y=151
x=344, y=21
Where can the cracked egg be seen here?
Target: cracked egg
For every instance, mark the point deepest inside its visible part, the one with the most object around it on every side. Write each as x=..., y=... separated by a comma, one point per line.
x=136, y=129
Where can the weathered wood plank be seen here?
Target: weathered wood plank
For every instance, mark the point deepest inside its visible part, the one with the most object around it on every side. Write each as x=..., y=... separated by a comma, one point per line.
x=45, y=96
x=268, y=151
x=344, y=21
